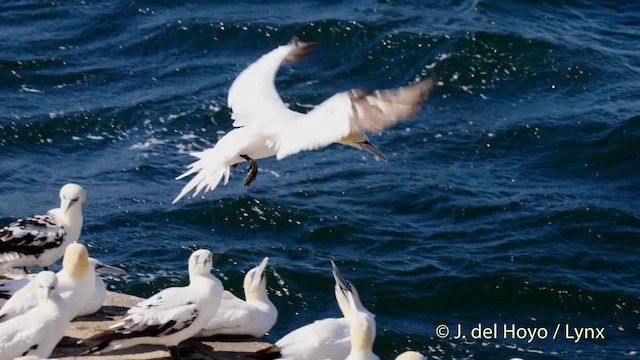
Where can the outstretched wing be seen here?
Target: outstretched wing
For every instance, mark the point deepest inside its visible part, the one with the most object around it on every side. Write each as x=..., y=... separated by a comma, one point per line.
x=348, y=113
x=253, y=97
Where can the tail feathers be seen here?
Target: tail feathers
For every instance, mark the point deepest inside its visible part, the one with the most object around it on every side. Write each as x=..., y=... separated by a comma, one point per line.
x=270, y=353
x=209, y=173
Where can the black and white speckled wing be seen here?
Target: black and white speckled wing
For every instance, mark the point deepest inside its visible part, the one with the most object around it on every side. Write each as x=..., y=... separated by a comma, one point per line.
x=30, y=237
x=163, y=314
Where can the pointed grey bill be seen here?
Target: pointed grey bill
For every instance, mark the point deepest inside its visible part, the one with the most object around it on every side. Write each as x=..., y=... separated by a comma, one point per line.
x=262, y=267
x=368, y=147
x=102, y=268
x=344, y=284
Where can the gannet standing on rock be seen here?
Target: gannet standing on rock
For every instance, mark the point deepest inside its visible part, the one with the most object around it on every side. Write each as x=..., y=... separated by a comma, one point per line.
x=323, y=339
x=266, y=127
x=253, y=317
x=76, y=285
x=37, y=331
x=40, y=240
x=169, y=317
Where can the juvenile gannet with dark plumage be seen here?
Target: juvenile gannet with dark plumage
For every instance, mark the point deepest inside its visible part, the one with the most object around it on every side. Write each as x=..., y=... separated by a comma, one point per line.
x=37, y=331
x=254, y=316
x=265, y=126
x=76, y=285
x=170, y=316
x=40, y=240
x=323, y=339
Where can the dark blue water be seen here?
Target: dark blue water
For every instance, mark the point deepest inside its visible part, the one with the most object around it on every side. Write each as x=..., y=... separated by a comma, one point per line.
x=511, y=199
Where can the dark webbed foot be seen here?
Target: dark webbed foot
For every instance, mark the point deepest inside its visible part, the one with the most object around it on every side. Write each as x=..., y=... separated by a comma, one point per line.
x=252, y=171
x=173, y=350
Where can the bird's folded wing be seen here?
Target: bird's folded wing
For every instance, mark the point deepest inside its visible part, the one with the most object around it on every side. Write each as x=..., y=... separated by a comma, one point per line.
x=158, y=321
x=30, y=236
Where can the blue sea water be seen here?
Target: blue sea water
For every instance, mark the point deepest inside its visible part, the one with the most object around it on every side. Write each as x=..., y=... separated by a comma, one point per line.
x=510, y=199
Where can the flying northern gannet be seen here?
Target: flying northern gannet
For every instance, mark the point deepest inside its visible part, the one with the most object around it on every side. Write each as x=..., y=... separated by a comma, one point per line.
x=170, y=316
x=265, y=126
x=253, y=317
x=323, y=339
x=37, y=331
x=40, y=240
x=90, y=306
x=76, y=285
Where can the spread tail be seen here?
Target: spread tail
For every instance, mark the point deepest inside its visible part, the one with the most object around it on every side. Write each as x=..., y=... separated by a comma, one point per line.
x=209, y=170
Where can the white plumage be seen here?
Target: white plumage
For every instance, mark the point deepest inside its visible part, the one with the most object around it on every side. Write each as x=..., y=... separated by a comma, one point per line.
x=254, y=317
x=76, y=285
x=40, y=240
x=169, y=317
x=37, y=331
x=266, y=127
x=93, y=303
x=323, y=339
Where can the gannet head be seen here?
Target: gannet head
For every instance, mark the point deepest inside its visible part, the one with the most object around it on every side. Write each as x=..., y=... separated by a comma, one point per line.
x=255, y=281
x=47, y=282
x=75, y=262
x=361, y=141
x=342, y=287
x=299, y=50
x=101, y=268
x=71, y=196
x=410, y=355
x=200, y=262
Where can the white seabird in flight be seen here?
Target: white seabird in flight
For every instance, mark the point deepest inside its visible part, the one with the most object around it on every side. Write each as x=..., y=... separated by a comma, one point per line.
x=265, y=126
x=76, y=285
x=253, y=317
x=323, y=339
x=168, y=317
x=37, y=331
x=40, y=240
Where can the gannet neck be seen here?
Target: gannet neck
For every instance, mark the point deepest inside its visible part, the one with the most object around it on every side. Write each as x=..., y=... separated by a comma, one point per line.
x=75, y=263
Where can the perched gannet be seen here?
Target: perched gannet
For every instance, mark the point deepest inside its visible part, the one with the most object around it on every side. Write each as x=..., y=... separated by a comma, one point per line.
x=265, y=126
x=37, y=331
x=323, y=339
x=95, y=302
x=92, y=305
x=410, y=355
x=170, y=316
x=40, y=240
x=76, y=285
x=253, y=317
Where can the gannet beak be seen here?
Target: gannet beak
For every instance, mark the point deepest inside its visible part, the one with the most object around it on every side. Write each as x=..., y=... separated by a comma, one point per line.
x=102, y=268
x=345, y=285
x=368, y=147
x=262, y=267
x=65, y=204
x=46, y=291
